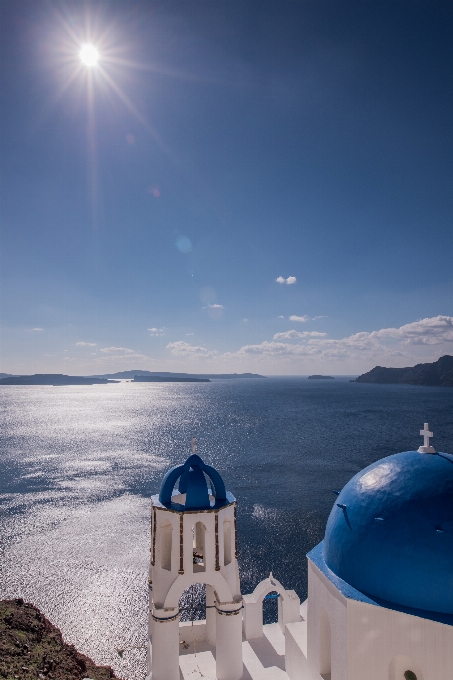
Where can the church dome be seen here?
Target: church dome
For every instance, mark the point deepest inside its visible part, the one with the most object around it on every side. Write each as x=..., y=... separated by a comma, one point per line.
x=390, y=533
x=193, y=492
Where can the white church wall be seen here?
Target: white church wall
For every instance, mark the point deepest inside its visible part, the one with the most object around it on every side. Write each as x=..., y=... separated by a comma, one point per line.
x=368, y=641
x=162, y=576
x=229, y=571
x=381, y=641
x=324, y=600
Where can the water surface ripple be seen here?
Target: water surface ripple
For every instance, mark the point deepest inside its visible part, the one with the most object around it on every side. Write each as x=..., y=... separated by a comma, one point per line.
x=78, y=465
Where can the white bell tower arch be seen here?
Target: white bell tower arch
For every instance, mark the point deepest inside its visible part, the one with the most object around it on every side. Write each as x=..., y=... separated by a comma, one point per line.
x=193, y=540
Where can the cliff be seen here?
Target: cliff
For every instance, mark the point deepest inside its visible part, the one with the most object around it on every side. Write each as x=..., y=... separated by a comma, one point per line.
x=31, y=647
x=437, y=374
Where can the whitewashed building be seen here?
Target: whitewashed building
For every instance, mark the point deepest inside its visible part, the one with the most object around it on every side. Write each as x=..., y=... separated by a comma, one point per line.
x=380, y=584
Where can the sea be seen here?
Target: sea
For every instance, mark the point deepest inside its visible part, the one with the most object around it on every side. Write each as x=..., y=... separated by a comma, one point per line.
x=78, y=465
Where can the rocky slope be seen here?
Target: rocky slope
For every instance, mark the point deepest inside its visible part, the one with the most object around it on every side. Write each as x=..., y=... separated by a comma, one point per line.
x=31, y=647
x=437, y=374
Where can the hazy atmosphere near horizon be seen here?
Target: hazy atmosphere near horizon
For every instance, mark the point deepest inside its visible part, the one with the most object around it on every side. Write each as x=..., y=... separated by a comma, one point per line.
x=225, y=186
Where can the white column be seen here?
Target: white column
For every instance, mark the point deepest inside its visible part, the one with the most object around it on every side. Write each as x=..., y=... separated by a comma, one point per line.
x=165, y=644
x=288, y=609
x=229, y=641
x=210, y=615
x=252, y=617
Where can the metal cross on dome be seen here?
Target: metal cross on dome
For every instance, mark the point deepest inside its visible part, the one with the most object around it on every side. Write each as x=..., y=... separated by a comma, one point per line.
x=426, y=434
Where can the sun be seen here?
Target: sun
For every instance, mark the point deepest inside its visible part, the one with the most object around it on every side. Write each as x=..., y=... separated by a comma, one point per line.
x=89, y=55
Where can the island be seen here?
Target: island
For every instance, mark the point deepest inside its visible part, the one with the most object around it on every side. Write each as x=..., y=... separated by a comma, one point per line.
x=436, y=374
x=162, y=379
x=321, y=377
x=125, y=375
x=32, y=647
x=55, y=379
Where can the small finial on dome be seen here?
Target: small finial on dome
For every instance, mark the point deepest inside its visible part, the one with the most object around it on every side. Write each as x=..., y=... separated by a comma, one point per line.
x=426, y=434
x=194, y=444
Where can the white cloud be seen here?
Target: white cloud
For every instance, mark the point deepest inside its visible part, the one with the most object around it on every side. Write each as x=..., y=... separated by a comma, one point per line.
x=430, y=331
x=215, y=311
x=116, y=350
x=31, y=330
x=292, y=335
x=319, y=348
x=86, y=344
x=189, y=334
x=281, y=317
x=302, y=319
x=156, y=331
x=289, y=281
x=184, y=349
x=372, y=346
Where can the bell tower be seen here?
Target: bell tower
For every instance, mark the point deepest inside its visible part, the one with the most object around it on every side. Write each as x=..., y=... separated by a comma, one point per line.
x=193, y=540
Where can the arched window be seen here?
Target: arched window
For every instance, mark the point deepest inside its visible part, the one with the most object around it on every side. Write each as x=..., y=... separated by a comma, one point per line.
x=271, y=604
x=325, y=646
x=165, y=552
x=226, y=542
x=409, y=675
x=199, y=541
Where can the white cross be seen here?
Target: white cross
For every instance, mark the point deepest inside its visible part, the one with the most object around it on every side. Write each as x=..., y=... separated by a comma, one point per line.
x=194, y=444
x=426, y=434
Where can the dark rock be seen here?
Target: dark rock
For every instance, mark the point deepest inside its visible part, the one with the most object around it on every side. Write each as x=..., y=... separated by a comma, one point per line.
x=30, y=647
x=321, y=377
x=437, y=374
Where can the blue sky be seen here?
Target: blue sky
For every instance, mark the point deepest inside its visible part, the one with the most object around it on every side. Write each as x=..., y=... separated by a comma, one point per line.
x=218, y=147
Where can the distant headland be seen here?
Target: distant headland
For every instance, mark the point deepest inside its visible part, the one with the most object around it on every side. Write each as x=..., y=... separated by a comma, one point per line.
x=58, y=379
x=321, y=377
x=130, y=375
x=55, y=379
x=166, y=379
x=437, y=374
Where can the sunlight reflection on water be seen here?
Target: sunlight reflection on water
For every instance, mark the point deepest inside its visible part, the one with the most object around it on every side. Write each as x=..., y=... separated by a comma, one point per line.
x=78, y=464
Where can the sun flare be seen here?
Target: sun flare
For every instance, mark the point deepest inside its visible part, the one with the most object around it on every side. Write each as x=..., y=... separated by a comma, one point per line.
x=89, y=55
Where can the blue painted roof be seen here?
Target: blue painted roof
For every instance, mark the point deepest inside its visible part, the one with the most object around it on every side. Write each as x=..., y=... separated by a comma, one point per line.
x=317, y=557
x=192, y=476
x=390, y=533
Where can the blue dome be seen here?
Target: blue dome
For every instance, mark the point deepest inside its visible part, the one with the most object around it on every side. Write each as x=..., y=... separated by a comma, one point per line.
x=193, y=483
x=390, y=534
